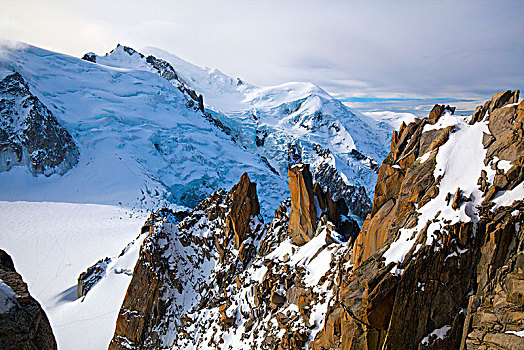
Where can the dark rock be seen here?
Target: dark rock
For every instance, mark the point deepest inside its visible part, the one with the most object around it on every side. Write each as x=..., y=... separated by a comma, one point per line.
x=437, y=111
x=355, y=197
x=30, y=134
x=277, y=300
x=502, y=98
x=90, y=57
x=92, y=276
x=23, y=323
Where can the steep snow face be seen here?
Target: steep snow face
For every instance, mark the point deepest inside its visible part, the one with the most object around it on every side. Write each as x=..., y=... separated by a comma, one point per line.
x=142, y=146
x=460, y=162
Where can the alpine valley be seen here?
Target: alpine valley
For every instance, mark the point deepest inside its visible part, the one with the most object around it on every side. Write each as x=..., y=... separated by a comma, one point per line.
x=148, y=203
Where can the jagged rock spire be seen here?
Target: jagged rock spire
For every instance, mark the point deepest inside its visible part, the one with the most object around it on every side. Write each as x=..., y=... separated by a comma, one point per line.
x=303, y=219
x=310, y=204
x=244, y=206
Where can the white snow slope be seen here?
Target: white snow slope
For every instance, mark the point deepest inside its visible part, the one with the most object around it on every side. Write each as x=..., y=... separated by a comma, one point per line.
x=142, y=147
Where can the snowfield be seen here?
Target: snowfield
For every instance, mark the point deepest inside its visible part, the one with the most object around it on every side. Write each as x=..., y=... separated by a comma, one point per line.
x=51, y=244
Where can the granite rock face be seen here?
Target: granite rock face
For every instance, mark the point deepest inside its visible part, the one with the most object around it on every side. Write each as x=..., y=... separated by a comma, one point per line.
x=303, y=218
x=403, y=183
x=23, y=323
x=310, y=204
x=29, y=133
x=435, y=270
x=180, y=265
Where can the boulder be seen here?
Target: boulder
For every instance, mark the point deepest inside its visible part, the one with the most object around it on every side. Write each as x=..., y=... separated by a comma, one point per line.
x=502, y=98
x=90, y=57
x=92, y=276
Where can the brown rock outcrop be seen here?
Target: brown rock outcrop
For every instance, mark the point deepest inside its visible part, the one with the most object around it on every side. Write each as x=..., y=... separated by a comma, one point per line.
x=463, y=288
x=496, y=309
x=403, y=184
x=310, y=203
x=303, y=218
x=23, y=323
x=177, y=265
x=244, y=206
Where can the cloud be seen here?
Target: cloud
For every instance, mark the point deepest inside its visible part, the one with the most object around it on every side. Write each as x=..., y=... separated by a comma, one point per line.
x=403, y=49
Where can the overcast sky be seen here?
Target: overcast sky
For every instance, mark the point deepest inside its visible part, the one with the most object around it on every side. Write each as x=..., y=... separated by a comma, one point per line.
x=399, y=55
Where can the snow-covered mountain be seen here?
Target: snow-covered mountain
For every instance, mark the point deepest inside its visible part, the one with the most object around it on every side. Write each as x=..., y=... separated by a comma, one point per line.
x=291, y=123
x=148, y=132
x=145, y=118
x=437, y=263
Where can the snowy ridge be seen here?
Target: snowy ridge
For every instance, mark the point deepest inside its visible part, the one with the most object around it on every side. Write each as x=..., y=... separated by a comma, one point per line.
x=141, y=144
x=144, y=112
x=460, y=162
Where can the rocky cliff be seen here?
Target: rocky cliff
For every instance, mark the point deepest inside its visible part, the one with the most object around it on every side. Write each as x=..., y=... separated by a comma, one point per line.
x=23, y=323
x=223, y=278
x=310, y=204
x=438, y=262
x=183, y=266
x=29, y=133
